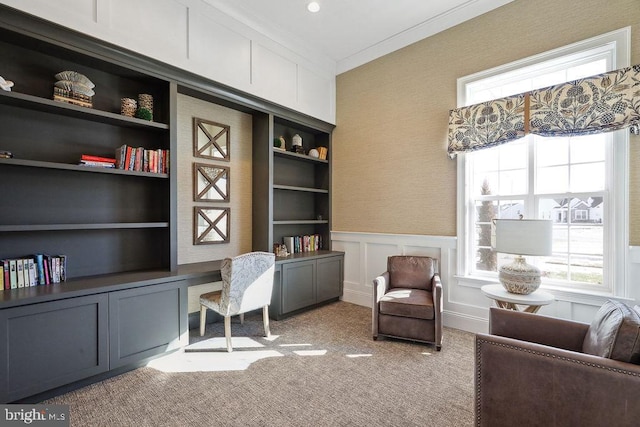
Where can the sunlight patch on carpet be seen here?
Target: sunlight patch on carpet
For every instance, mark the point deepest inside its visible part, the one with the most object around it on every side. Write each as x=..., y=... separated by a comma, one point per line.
x=359, y=355
x=310, y=352
x=209, y=361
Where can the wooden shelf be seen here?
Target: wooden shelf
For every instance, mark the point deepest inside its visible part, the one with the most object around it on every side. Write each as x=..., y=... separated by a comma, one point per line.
x=304, y=157
x=294, y=188
x=70, y=110
x=301, y=221
x=63, y=227
x=79, y=168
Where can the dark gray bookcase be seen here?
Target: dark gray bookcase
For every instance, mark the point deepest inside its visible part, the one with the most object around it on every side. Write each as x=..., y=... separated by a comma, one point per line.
x=106, y=221
x=292, y=197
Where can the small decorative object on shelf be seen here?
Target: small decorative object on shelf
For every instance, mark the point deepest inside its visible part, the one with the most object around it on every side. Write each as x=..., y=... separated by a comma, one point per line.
x=322, y=153
x=73, y=88
x=279, y=143
x=280, y=249
x=6, y=154
x=128, y=107
x=296, y=146
x=314, y=153
x=5, y=84
x=145, y=107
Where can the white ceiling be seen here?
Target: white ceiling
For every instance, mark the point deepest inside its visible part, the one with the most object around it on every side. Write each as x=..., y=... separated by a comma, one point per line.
x=352, y=32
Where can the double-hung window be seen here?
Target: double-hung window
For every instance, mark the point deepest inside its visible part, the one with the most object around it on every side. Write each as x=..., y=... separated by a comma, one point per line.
x=578, y=182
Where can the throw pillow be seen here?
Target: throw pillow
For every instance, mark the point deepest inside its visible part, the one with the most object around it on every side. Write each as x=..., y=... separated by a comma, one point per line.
x=614, y=333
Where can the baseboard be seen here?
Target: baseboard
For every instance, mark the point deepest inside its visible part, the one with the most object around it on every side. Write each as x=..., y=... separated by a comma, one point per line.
x=464, y=322
x=358, y=298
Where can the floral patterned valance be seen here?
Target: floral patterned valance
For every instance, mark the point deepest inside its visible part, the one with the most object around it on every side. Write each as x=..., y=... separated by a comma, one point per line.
x=486, y=125
x=601, y=103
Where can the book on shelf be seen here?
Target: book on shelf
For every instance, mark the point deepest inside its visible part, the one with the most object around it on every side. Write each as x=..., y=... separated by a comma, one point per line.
x=35, y=270
x=5, y=273
x=304, y=243
x=97, y=161
x=141, y=159
x=20, y=273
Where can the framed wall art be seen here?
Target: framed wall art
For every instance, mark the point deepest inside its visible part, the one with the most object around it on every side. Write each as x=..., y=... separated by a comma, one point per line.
x=211, y=140
x=210, y=183
x=210, y=225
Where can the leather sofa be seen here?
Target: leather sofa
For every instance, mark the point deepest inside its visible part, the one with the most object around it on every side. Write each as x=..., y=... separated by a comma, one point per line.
x=535, y=370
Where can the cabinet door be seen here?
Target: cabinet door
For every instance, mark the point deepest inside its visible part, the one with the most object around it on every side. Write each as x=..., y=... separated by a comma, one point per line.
x=52, y=344
x=330, y=278
x=298, y=285
x=147, y=321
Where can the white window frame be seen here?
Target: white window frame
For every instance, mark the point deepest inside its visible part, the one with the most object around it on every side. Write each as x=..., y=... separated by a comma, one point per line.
x=615, y=246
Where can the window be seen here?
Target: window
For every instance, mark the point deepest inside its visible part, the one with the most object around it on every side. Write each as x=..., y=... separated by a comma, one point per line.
x=578, y=182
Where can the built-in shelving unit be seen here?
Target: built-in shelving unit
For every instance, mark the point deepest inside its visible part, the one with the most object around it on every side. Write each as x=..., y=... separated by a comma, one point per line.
x=125, y=299
x=107, y=221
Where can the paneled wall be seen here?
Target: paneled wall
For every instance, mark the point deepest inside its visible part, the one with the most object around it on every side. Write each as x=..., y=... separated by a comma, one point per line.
x=196, y=37
x=239, y=179
x=465, y=307
x=392, y=177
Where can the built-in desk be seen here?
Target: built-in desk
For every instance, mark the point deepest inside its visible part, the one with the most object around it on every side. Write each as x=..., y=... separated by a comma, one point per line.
x=59, y=337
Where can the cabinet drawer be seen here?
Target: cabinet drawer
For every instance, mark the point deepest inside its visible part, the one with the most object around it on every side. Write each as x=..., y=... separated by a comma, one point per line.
x=52, y=344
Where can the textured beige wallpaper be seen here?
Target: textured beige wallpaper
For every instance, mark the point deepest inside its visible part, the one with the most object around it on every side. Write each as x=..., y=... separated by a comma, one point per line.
x=391, y=173
x=240, y=180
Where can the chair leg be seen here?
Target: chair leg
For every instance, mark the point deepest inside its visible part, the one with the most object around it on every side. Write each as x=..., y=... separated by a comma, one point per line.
x=242, y=318
x=203, y=319
x=265, y=319
x=227, y=332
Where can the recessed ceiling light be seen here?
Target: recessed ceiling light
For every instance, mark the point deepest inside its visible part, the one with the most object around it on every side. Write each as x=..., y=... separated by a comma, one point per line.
x=313, y=6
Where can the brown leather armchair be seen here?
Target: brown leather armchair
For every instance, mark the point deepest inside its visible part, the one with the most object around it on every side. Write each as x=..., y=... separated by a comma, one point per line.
x=533, y=370
x=407, y=300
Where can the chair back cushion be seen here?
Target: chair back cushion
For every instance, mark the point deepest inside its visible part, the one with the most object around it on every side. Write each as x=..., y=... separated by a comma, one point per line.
x=247, y=282
x=614, y=333
x=410, y=272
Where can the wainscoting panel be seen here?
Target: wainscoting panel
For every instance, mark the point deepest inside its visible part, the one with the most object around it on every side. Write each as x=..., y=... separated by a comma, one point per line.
x=465, y=307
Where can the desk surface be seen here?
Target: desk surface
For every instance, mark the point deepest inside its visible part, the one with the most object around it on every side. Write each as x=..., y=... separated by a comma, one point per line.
x=498, y=292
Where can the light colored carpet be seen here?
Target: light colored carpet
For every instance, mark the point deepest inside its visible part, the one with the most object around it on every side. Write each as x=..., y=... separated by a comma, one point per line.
x=321, y=368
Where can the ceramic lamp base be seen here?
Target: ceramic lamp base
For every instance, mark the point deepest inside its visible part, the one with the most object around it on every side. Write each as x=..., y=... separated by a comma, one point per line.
x=519, y=277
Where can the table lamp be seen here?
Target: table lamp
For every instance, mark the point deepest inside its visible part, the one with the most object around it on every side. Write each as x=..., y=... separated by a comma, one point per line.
x=522, y=237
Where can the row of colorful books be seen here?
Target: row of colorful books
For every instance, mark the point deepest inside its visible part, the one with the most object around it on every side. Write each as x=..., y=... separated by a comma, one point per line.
x=306, y=243
x=33, y=270
x=142, y=160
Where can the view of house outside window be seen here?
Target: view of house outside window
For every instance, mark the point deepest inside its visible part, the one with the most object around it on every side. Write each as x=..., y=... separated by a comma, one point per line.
x=565, y=179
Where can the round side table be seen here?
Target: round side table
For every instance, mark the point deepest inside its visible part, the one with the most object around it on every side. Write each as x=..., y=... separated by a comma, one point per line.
x=504, y=299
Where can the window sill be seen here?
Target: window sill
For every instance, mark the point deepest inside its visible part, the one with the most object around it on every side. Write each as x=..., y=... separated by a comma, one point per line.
x=579, y=296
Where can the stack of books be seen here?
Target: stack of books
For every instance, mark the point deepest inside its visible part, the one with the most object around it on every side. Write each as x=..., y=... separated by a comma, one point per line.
x=97, y=161
x=142, y=160
x=306, y=243
x=35, y=270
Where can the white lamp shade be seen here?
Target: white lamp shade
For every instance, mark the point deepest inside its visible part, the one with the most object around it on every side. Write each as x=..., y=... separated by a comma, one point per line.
x=524, y=236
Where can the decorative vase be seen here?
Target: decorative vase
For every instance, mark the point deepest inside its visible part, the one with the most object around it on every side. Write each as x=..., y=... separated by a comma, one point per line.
x=128, y=107
x=519, y=277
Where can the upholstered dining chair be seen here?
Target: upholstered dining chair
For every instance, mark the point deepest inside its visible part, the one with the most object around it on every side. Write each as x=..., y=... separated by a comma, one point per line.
x=407, y=300
x=247, y=283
